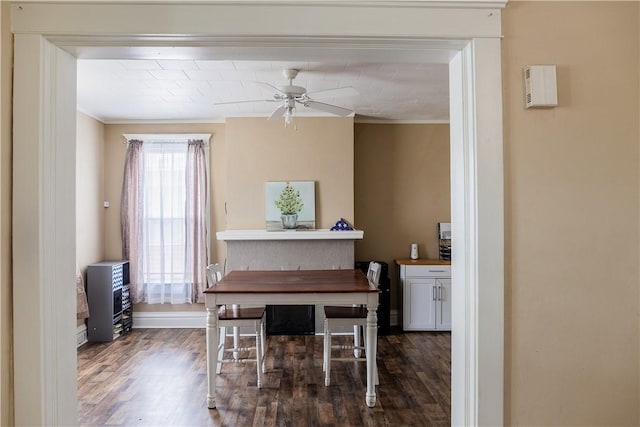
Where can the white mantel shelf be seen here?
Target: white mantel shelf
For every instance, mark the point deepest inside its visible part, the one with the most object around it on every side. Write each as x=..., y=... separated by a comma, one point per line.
x=289, y=235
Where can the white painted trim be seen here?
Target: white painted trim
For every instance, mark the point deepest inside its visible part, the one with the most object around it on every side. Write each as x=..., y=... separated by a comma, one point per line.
x=160, y=122
x=81, y=335
x=44, y=291
x=460, y=163
x=401, y=122
x=169, y=319
x=71, y=25
x=476, y=4
x=289, y=235
x=298, y=113
x=477, y=265
x=178, y=319
x=488, y=233
x=219, y=121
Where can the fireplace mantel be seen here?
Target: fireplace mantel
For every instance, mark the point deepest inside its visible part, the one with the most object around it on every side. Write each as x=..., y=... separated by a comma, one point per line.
x=289, y=235
x=276, y=250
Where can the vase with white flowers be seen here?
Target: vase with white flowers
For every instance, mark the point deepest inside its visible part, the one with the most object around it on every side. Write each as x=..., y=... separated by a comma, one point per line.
x=290, y=204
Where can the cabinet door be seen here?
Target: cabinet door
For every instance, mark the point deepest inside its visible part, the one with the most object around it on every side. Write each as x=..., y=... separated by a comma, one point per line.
x=443, y=306
x=419, y=304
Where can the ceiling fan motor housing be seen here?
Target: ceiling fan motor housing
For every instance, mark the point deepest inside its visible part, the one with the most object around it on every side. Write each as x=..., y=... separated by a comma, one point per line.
x=290, y=73
x=293, y=91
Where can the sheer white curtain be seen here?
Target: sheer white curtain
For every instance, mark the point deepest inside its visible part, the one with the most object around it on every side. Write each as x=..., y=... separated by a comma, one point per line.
x=169, y=211
x=163, y=218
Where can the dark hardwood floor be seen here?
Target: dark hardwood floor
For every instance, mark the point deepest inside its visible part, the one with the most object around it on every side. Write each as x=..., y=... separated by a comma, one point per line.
x=157, y=377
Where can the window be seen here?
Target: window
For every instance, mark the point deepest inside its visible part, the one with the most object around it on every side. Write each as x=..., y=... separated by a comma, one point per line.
x=164, y=221
x=168, y=218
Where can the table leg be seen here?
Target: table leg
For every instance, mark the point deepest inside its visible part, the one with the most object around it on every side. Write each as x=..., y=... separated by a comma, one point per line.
x=372, y=346
x=212, y=355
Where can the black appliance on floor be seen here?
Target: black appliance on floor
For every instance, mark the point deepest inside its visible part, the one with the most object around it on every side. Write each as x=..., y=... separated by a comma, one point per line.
x=384, y=300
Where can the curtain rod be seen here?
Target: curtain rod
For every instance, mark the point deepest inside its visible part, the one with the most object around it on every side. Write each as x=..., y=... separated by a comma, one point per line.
x=167, y=137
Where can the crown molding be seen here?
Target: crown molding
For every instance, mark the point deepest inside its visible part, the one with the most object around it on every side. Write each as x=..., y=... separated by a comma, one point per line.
x=162, y=122
x=400, y=122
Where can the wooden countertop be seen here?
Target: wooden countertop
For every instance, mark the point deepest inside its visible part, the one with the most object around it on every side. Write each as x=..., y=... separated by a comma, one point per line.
x=422, y=262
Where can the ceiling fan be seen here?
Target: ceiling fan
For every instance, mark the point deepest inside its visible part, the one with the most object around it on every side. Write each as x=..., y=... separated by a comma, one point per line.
x=290, y=95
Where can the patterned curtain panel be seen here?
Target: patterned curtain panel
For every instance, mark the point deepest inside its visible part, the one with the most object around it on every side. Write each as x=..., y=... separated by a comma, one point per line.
x=197, y=191
x=131, y=217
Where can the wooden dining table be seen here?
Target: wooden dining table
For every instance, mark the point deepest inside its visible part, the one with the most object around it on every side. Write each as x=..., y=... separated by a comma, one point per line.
x=294, y=287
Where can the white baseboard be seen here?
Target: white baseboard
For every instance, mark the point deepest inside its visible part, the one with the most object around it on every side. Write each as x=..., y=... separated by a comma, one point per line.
x=169, y=319
x=184, y=319
x=81, y=335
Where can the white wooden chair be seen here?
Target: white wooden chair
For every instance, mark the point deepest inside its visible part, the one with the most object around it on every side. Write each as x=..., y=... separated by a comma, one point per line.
x=236, y=317
x=336, y=316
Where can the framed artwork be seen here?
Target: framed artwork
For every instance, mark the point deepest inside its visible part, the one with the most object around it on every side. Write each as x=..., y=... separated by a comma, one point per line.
x=290, y=205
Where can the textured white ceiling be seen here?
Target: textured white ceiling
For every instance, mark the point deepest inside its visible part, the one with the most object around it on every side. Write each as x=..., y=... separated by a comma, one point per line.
x=187, y=90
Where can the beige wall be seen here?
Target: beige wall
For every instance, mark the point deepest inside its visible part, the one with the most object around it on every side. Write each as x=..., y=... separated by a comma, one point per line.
x=89, y=193
x=402, y=191
x=245, y=153
x=320, y=150
x=572, y=193
x=6, y=374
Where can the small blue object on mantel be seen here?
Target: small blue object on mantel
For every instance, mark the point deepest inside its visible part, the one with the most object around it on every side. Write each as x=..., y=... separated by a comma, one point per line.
x=341, y=225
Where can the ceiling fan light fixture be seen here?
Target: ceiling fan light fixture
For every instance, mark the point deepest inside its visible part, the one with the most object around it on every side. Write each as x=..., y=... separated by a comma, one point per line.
x=289, y=116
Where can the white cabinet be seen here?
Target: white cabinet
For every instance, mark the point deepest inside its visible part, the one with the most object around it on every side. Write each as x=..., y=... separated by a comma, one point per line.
x=426, y=295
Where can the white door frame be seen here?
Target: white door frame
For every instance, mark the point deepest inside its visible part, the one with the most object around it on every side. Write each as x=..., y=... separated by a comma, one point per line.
x=44, y=167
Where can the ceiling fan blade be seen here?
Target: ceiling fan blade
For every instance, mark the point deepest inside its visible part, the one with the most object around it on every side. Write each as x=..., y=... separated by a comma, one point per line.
x=336, y=92
x=246, y=101
x=270, y=86
x=328, y=108
x=278, y=112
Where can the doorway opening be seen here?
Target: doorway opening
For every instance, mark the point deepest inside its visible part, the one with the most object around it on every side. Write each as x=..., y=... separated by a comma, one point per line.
x=43, y=128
